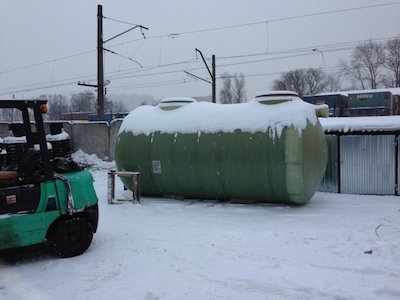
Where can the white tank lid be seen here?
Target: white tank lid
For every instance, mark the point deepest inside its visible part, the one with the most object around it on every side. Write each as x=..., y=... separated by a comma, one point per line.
x=277, y=93
x=276, y=97
x=175, y=102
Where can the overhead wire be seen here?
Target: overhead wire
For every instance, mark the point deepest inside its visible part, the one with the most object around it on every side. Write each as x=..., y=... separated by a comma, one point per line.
x=174, y=82
x=138, y=73
x=122, y=74
x=266, y=21
x=325, y=48
x=119, y=21
x=206, y=30
x=153, y=84
x=46, y=62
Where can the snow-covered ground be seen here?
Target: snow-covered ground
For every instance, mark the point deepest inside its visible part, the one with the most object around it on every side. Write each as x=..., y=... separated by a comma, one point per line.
x=335, y=247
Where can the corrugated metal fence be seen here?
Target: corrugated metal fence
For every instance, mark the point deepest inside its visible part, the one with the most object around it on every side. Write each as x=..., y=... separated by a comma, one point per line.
x=362, y=163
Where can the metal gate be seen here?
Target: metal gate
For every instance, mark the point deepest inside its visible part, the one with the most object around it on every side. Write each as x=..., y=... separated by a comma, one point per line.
x=329, y=182
x=368, y=164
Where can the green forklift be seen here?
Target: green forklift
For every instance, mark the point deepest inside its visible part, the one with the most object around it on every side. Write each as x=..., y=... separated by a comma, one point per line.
x=44, y=198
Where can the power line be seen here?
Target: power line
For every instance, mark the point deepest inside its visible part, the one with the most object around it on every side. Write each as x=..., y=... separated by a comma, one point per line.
x=39, y=88
x=47, y=61
x=167, y=83
x=204, y=30
x=123, y=56
x=307, y=50
x=125, y=74
x=220, y=65
x=119, y=21
x=334, y=11
x=76, y=78
x=174, y=82
x=328, y=69
x=121, y=74
x=266, y=21
x=325, y=47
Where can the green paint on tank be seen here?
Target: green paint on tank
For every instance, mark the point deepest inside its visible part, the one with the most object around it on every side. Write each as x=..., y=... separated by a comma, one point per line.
x=227, y=165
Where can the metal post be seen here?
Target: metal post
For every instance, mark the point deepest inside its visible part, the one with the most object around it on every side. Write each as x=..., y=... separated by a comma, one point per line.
x=212, y=74
x=135, y=189
x=213, y=77
x=138, y=187
x=110, y=186
x=100, y=68
x=339, y=164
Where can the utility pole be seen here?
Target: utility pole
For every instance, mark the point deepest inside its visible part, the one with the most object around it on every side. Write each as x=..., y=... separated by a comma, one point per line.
x=100, y=62
x=212, y=75
x=100, y=67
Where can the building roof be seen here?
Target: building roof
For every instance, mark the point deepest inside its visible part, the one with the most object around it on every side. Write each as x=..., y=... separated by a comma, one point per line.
x=364, y=124
x=394, y=91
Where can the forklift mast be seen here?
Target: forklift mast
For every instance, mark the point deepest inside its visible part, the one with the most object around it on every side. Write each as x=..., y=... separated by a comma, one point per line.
x=37, y=137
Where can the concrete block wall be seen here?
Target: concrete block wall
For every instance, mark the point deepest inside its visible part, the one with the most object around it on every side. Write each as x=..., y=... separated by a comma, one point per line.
x=91, y=137
x=94, y=137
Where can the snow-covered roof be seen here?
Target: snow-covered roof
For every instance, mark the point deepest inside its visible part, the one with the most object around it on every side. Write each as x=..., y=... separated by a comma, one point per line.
x=394, y=91
x=203, y=117
x=367, y=124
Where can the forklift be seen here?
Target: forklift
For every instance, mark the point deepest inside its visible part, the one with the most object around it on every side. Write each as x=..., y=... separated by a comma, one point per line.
x=44, y=198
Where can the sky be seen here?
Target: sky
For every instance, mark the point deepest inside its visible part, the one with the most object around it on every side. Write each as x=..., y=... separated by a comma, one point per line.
x=48, y=46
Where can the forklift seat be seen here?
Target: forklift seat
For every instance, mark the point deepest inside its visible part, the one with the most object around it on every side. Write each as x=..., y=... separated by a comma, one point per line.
x=8, y=175
x=30, y=165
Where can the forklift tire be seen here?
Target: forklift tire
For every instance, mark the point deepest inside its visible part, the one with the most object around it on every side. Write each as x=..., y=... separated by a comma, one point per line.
x=71, y=236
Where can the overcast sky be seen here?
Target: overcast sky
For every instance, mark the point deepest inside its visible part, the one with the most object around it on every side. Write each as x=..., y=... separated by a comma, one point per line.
x=47, y=46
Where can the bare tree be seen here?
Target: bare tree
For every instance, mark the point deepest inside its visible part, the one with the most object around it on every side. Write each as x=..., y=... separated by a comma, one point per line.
x=333, y=82
x=120, y=106
x=292, y=80
x=10, y=115
x=366, y=64
x=58, y=105
x=233, y=88
x=315, y=81
x=393, y=62
x=302, y=81
x=239, y=92
x=108, y=106
x=115, y=106
x=83, y=102
x=225, y=94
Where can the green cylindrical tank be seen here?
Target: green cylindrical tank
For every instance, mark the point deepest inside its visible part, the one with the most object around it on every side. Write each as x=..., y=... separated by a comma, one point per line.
x=271, y=149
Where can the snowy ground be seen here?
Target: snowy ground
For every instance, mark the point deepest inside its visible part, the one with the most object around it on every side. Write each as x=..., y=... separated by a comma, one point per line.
x=170, y=249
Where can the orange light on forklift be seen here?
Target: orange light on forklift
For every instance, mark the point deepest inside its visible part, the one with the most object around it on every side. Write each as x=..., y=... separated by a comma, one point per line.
x=43, y=108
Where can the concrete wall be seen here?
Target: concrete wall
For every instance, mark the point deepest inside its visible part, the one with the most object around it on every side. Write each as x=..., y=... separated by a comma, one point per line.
x=92, y=138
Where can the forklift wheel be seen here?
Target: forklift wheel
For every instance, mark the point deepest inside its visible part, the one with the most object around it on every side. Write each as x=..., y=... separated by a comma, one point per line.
x=72, y=236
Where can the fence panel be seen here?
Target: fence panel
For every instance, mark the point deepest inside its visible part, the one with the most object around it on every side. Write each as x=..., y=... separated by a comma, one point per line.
x=330, y=182
x=368, y=164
